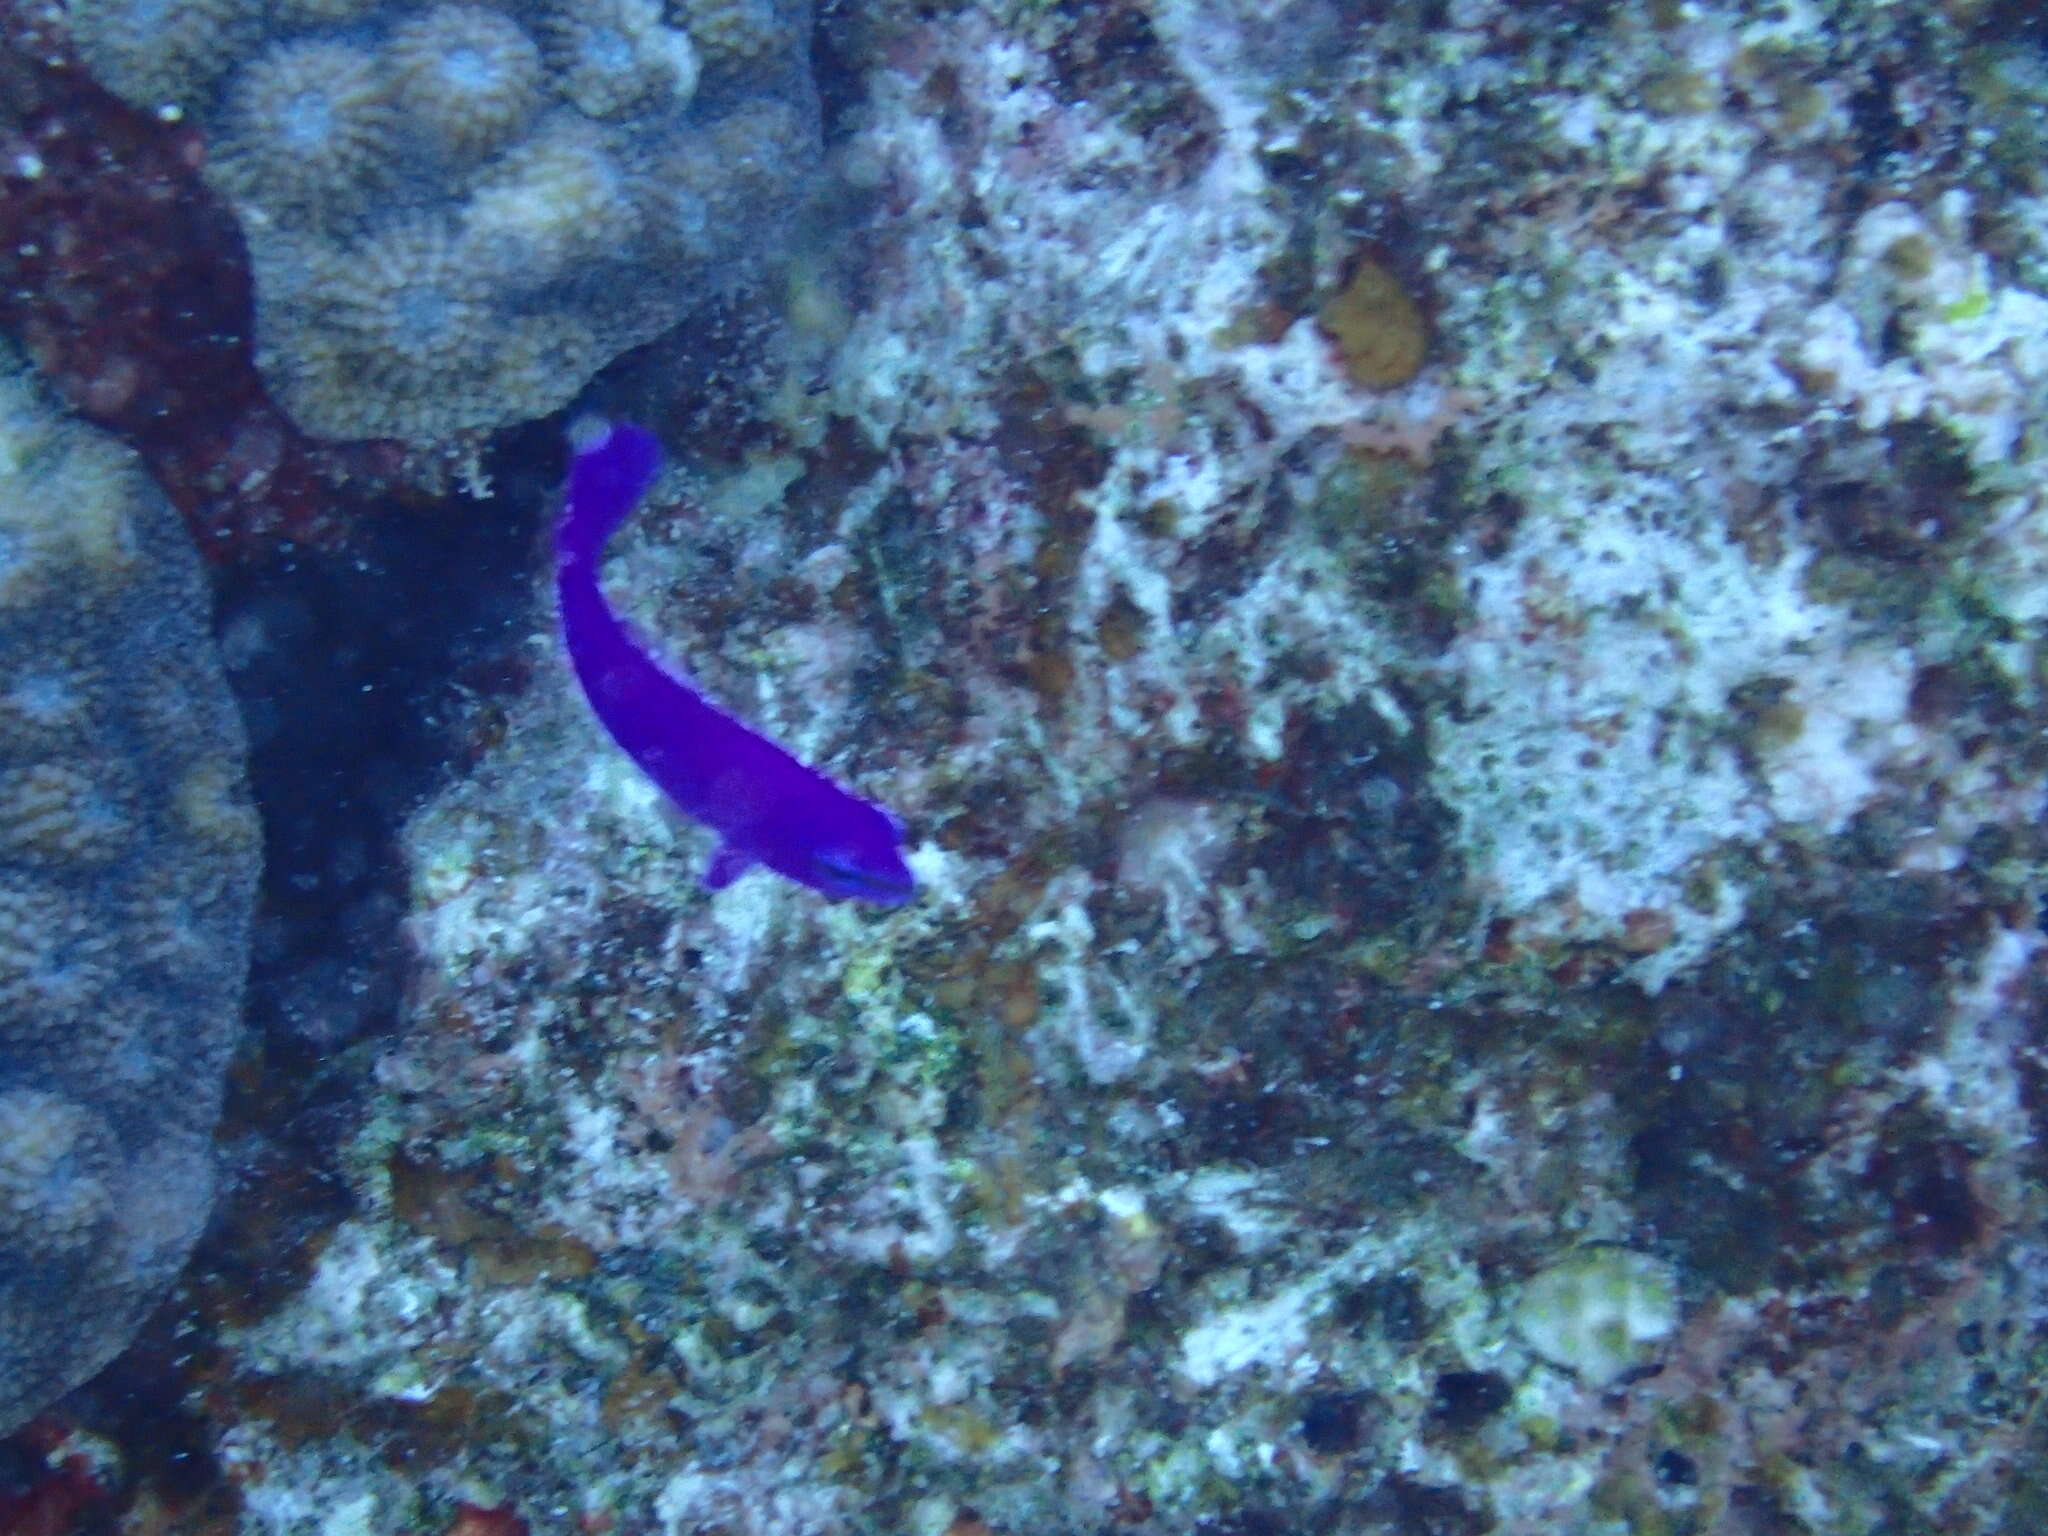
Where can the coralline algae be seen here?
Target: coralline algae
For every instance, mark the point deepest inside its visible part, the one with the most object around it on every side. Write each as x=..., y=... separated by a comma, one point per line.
x=127, y=873
x=457, y=213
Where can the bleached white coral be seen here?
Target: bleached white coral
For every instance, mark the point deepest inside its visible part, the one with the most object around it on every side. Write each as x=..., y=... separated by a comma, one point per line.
x=1601, y=1312
x=1593, y=769
x=1974, y=353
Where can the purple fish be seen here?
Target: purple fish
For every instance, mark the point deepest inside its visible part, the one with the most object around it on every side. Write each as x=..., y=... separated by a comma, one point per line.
x=766, y=807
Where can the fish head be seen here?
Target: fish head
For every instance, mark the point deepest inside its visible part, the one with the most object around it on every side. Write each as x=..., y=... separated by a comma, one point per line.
x=860, y=860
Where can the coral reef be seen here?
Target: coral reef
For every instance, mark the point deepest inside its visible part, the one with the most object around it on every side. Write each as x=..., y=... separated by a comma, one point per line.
x=55, y=1159
x=341, y=132
x=558, y=198
x=1480, y=959
x=728, y=33
x=127, y=871
x=404, y=322
x=126, y=283
x=406, y=325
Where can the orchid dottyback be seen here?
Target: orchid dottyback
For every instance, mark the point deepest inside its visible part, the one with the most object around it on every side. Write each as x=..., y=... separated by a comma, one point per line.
x=766, y=806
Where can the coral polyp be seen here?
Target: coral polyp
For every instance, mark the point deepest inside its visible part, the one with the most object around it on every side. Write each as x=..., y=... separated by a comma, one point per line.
x=54, y=1157
x=730, y=31
x=52, y=963
x=59, y=813
x=534, y=135
x=615, y=57
x=309, y=126
x=153, y=53
x=560, y=194
x=468, y=77
x=404, y=320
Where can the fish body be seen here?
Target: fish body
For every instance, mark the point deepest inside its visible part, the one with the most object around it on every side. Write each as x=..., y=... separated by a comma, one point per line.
x=767, y=807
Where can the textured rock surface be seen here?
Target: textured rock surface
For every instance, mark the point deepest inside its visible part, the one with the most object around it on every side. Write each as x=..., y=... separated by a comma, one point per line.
x=1387, y=842
x=1421, y=875
x=457, y=213
x=128, y=857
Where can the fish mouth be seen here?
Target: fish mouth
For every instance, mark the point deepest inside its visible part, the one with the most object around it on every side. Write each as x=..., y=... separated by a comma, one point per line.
x=885, y=887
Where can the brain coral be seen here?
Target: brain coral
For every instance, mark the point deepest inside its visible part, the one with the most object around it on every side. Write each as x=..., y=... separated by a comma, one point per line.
x=128, y=856
x=598, y=168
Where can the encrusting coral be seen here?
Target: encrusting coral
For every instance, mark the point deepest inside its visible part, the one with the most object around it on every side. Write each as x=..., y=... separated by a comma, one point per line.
x=152, y=53
x=127, y=871
x=1480, y=963
x=403, y=325
x=308, y=126
x=614, y=57
x=470, y=77
x=527, y=138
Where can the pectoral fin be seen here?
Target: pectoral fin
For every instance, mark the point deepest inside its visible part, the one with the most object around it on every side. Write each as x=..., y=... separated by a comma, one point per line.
x=726, y=866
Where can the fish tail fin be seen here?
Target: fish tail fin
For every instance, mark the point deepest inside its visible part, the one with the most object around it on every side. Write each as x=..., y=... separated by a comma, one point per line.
x=611, y=468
